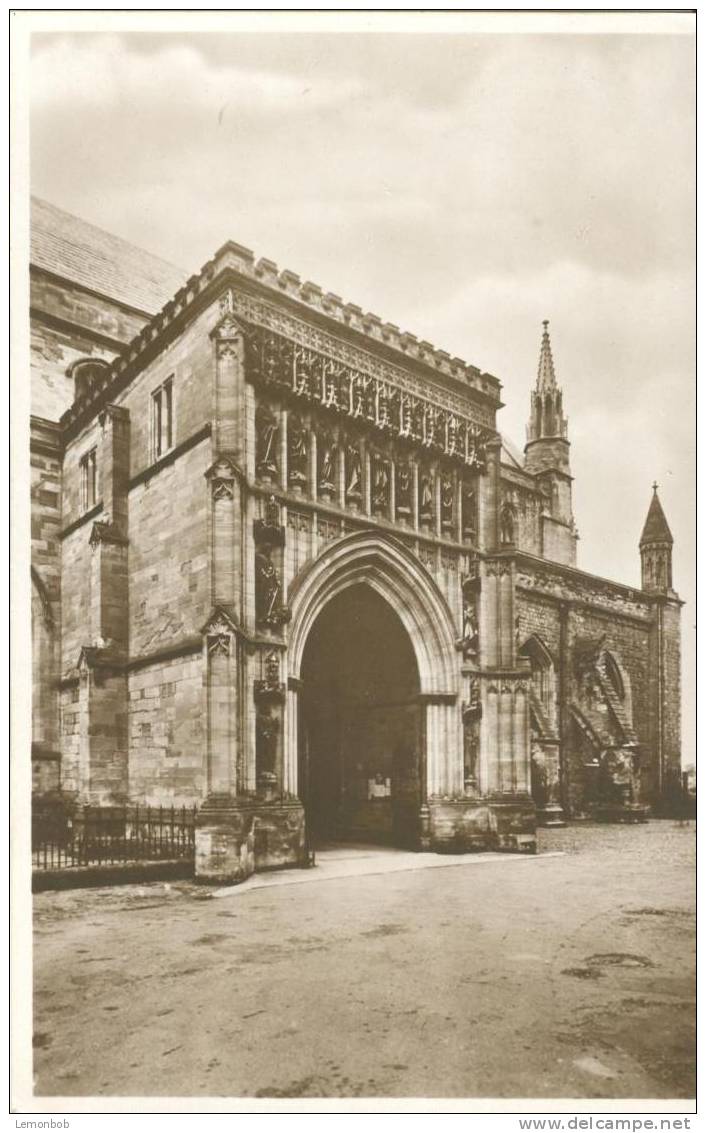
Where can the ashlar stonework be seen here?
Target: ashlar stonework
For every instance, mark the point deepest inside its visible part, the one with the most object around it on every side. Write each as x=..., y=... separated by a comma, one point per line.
x=285, y=568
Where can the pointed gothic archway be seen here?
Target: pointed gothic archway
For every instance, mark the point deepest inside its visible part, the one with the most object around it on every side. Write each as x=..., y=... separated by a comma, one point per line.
x=388, y=571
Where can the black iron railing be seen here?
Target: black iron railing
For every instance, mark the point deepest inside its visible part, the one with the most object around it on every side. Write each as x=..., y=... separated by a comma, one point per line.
x=111, y=835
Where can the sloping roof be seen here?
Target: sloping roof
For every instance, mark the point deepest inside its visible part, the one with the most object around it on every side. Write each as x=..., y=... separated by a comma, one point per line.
x=656, y=529
x=510, y=454
x=69, y=247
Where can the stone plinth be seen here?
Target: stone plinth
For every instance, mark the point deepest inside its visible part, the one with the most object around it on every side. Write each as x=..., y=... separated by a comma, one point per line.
x=279, y=835
x=237, y=837
x=459, y=826
x=225, y=842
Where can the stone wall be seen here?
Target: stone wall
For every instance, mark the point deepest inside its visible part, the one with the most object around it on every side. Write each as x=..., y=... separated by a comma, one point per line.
x=69, y=323
x=166, y=729
x=567, y=610
x=169, y=561
x=45, y=519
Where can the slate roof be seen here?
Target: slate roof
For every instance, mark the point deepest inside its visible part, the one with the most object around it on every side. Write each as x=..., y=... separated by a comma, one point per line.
x=77, y=251
x=656, y=529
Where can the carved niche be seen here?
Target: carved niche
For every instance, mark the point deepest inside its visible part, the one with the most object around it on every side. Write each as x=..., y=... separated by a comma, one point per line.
x=380, y=471
x=267, y=729
x=468, y=641
x=403, y=488
x=269, y=608
x=448, y=492
x=297, y=452
x=471, y=715
x=426, y=495
x=469, y=510
x=268, y=533
x=266, y=444
x=354, y=473
x=508, y=521
x=327, y=463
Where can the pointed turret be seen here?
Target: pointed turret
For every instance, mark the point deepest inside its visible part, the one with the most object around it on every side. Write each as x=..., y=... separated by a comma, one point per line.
x=656, y=544
x=547, y=457
x=547, y=420
x=546, y=378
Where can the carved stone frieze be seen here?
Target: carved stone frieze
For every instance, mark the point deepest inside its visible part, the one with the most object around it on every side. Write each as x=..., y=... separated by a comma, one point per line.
x=587, y=589
x=497, y=568
x=386, y=405
x=328, y=530
x=259, y=315
x=298, y=521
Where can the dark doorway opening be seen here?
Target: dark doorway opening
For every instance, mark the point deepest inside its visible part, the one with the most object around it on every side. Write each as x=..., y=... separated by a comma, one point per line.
x=361, y=724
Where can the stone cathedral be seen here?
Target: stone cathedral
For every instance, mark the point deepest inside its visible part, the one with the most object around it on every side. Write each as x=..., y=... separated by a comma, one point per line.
x=286, y=569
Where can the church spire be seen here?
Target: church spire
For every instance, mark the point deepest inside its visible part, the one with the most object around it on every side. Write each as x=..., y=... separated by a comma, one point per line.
x=547, y=418
x=546, y=378
x=656, y=547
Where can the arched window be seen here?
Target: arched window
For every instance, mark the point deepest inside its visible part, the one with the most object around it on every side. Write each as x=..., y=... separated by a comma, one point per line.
x=543, y=675
x=84, y=372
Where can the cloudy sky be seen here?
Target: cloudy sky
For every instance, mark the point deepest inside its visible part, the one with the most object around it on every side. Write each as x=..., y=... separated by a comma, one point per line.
x=464, y=187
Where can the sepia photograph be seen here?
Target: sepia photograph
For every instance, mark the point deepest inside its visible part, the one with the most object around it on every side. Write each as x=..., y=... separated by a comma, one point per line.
x=353, y=465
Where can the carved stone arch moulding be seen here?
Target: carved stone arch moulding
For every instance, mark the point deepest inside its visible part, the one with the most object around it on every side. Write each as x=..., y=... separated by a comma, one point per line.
x=390, y=569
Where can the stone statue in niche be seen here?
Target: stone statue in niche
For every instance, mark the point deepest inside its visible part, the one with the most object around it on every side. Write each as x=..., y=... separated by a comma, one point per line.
x=297, y=449
x=403, y=488
x=470, y=754
x=327, y=452
x=539, y=775
x=469, y=510
x=381, y=483
x=354, y=489
x=272, y=670
x=447, y=500
x=267, y=443
x=267, y=586
x=507, y=522
x=426, y=496
x=471, y=716
x=266, y=733
x=468, y=642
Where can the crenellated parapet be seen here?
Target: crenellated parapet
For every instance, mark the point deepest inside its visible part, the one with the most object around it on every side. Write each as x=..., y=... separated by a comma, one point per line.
x=454, y=377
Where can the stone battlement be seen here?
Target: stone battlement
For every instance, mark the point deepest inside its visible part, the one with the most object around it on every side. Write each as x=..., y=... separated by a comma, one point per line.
x=234, y=257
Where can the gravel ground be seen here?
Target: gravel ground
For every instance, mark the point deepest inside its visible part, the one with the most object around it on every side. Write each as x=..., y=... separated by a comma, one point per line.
x=567, y=976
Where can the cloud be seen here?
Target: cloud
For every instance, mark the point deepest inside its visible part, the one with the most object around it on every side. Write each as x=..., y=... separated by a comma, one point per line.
x=101, y=72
